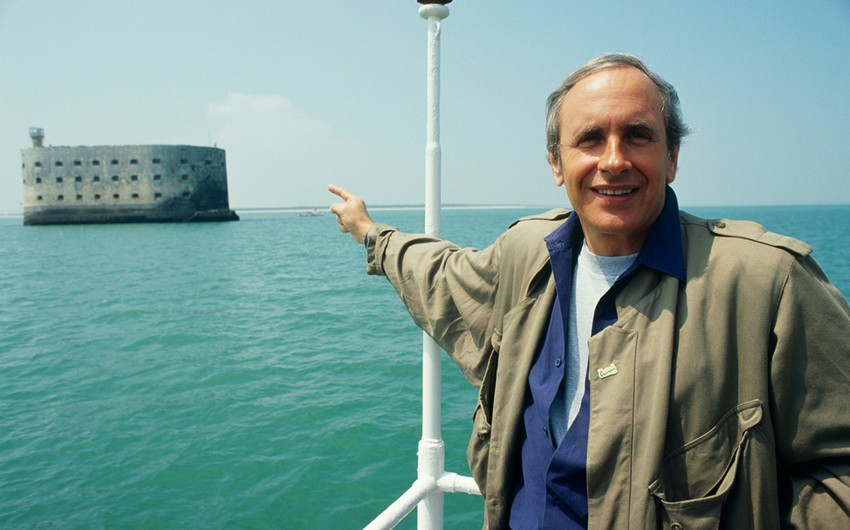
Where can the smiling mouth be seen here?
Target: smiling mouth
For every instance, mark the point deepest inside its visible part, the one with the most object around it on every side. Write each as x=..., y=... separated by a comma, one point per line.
x=614, y=193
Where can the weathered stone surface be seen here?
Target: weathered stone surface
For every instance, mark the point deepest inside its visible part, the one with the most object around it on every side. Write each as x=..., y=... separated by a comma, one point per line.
x=120, y=184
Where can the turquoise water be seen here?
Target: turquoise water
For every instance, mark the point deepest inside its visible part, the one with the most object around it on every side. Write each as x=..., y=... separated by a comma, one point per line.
x=234, y=375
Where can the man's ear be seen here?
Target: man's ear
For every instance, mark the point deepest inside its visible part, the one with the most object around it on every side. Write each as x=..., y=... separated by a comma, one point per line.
x=672, y=164
x=556, y=170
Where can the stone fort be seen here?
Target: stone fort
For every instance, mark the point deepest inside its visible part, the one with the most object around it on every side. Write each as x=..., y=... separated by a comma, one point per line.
x=121, y=184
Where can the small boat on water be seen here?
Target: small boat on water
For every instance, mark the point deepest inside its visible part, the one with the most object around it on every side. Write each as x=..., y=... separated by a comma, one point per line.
x=315, y=212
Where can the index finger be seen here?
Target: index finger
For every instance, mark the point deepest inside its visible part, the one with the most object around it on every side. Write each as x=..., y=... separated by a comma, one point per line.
x=342, y=193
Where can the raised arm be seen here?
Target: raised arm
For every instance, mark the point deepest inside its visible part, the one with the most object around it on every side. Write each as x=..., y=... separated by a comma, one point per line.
x=447, y=290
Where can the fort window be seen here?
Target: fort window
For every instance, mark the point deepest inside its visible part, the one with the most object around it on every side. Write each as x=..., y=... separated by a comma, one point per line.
x=135, y=195
x=38, y=164
x=207, y=162
x=114, y=178
x=78, y=162
x=79, y=197
x=58, y=180
x=185, y=194
x=134, y=161
x=97, y=196
x=157, y=177
x=155, y=160
x=39, y=198
x=114, y=162
x=60, y=197
x=116, y=196
x=185, y=176
x=184, y=160
x=58, y=163
x=38, y=180
x=96, y=178
x=78, y=179
x=95, y=162
x=157, y=195
x=134, y=177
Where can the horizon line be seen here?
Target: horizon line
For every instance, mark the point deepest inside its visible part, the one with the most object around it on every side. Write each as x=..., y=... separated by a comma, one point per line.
x=471, y=206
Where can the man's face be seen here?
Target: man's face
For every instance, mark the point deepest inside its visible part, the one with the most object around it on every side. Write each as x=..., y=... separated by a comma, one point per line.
x=614, y=159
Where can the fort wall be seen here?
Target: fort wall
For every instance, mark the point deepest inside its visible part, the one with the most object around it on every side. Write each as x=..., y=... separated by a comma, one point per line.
x=132, y=183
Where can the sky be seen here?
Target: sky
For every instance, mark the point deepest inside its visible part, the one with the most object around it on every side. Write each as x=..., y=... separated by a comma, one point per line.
x=303, y=94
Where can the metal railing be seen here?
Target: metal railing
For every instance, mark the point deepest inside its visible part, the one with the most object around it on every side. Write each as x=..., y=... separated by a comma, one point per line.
x=432, y=479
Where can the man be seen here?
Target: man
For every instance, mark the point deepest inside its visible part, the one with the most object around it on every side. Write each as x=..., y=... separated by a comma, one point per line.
x=638, y=367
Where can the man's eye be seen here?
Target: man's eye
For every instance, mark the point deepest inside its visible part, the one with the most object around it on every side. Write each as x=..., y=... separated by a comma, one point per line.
x=640, y=137
x=588, y=141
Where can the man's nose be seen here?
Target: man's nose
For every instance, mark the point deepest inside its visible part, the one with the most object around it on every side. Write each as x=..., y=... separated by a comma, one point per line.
x=614, y=159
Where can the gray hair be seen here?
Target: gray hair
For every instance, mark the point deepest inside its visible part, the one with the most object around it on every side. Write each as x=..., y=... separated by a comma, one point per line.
x=673, y=123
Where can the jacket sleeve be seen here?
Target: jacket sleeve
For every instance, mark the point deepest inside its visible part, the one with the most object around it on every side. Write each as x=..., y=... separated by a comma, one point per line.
x=449, y=291
x=810, y=377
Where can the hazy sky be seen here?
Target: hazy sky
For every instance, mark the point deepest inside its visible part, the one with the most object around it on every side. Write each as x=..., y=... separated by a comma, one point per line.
x=302, y=94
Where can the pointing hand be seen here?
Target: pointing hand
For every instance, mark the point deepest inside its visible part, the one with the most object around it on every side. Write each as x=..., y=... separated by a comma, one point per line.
x=351, y=214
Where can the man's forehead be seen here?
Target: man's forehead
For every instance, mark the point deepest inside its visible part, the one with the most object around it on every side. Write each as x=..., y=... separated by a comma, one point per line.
x=614, y=96
x=620, y=90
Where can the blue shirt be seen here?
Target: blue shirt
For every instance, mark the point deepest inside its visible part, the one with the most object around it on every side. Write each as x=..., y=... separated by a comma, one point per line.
x=552, y=492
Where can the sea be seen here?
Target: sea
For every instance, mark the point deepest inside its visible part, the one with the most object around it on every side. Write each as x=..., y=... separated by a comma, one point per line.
x=243, y=375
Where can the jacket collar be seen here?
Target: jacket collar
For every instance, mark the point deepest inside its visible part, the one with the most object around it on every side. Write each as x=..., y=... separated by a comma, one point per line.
x=661, y=251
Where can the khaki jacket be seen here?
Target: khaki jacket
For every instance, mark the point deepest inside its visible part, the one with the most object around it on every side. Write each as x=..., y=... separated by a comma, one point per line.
x=720, y=403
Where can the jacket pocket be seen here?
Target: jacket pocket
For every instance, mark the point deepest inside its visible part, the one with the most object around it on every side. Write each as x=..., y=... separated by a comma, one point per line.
x=478, y=451
x=696, y=478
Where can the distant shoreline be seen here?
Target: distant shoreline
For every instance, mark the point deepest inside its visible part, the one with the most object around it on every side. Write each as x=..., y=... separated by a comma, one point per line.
x=419, y=207
x=400, y=207
x=540, y=207
x=388, y=208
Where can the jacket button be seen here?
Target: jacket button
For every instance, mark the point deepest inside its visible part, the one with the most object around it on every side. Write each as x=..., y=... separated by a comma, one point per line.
x=558, y=362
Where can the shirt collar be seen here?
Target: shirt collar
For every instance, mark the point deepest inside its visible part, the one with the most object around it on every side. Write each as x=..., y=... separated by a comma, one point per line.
x=662, y=250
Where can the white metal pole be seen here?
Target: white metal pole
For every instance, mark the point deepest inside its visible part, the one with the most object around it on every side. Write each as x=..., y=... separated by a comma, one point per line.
x=431, y=463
